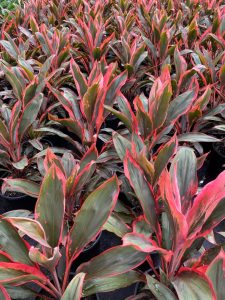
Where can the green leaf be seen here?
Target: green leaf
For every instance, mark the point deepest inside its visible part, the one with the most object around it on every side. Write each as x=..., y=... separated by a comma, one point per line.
x=12, y=244
x=48, y=262
x=195, y=137
x=20, y=165
x=112, y=262
x=222, y=75
x=108, y=284
x=163, y=157
x=29, y=114
x=14, y=81
x=90, y=220
x=159, y=290
x=191, y=285
x=161, y=108
x=179, y=106
x=121, y=144
x=9, y=49
x=74, y=289
x=163, y=44
x=79, y=79
x=184, y=168
x=215, y=272
x=116, y=225
x=23, y=186
x=89, y=101
x=31, y=228
x=142, y=189
x=50, y=205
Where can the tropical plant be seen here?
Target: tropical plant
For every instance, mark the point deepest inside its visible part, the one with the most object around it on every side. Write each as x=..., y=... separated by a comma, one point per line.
x=59, y=242
x=175, y=221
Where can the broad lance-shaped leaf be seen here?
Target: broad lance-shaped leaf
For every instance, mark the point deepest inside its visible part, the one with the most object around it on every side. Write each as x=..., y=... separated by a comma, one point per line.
x=108, y=284
x=142, y=189
x=112, y=262
x=79, y=79
x=31, y=228
x=50, y=205
x=12, y=243
x=90, y=219
x=180, y=106
x=159, y=290
x=145, y=244
x=89, y=101
x=164, y=156
x=216, y=274
x=121, y=144
x=184, y=168
x=21, y=185
x=18, y=273
x=205, y=203
x=190, y=284
x=195, y=137
x=74, y=289
x=29, y=114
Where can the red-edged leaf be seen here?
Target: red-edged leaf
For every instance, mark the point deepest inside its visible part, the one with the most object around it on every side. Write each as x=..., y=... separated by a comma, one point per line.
x=163, y=157
x=74, y=289
x=13, y=244
x=90, y=220
x=3, y=293
x=112, y=262
x=205, y=202
x=50, y=206
x=145, y=244
x=79, y=79
x=191, y=284
x=142, y=189
x=184, y=169
x=19, y=273
x=215, y=273
x=31, y=228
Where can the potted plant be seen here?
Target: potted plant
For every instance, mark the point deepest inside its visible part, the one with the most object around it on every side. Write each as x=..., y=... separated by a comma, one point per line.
x=60, y=242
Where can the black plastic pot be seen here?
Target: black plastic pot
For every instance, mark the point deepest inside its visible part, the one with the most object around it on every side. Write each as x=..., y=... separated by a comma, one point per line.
x=18, y=201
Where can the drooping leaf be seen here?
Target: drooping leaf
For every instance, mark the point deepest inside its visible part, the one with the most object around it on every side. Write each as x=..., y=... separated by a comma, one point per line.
x=21, y=185
x=31, y=228
x=112, y=262
x=12, y=243
x=100, y=285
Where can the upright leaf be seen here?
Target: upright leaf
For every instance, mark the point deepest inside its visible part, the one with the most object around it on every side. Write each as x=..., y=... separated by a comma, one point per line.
x=50, y=206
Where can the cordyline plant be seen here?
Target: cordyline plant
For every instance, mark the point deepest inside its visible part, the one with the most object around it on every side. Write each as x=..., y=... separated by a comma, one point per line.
x=86, y=109
x=158, y=116
x=174, y=223
x=59, y=242
x=78, y=178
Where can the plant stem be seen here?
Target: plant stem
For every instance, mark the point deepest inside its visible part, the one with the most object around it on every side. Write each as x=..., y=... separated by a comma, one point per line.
x=54, y=289
x=67, y=272
x=46, y=289
x=56, y=281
